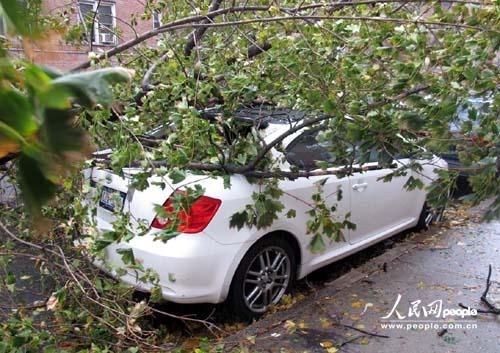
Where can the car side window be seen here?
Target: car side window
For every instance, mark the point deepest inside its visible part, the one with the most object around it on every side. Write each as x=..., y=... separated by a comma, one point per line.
x=373, y=156
x=305, y=150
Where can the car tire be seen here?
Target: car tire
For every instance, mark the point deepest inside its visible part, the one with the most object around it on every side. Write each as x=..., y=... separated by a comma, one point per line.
x=428, y=216
x=266, y=273
x=425, y=218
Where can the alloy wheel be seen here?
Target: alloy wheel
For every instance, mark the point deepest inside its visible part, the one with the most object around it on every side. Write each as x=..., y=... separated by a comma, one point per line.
x=266, y=278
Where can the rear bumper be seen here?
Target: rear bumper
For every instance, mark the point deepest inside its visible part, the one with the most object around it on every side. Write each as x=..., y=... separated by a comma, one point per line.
x=191, y=268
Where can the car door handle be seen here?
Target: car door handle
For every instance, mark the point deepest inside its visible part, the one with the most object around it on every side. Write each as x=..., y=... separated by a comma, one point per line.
x=359, y=187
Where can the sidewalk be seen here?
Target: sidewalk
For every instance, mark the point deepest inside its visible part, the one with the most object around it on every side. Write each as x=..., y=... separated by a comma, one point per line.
x=438, y=268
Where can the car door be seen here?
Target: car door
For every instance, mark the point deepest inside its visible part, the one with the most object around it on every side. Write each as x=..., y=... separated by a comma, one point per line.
x=303, y=153
x=378, y=207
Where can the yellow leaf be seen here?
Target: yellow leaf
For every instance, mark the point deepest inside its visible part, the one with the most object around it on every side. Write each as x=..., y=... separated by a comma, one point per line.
x=332, y=350
x=302, y=325
x=290, y=326
x=8, y=146
x=325, y=323
x=355, y=317
x=326, y=344
x=357, y=304
x=364, y=340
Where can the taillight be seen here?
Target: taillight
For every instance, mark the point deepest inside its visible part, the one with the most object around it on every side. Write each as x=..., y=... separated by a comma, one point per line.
x=193, y=220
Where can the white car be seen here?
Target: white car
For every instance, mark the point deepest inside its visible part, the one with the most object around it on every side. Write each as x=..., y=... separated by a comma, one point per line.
x=209, y=262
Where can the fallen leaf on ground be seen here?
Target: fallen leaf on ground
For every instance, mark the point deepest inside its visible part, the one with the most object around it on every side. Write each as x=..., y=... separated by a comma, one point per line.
x=52, y=302
x=290, y=326
x=357, y=304
x=364, y=340
x=326, y=344
x=325, y=323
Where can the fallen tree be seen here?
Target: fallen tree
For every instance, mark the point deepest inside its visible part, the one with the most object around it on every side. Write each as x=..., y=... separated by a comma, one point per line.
x=390, y=74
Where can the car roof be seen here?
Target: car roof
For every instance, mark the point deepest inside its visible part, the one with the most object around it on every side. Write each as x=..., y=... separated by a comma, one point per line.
x=260, y=116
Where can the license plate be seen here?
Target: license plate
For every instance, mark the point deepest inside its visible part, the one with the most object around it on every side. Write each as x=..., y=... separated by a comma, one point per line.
x=111, y=200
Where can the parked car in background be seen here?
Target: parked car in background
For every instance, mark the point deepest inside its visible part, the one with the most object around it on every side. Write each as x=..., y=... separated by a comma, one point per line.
x=468, y=113
x=209, y=262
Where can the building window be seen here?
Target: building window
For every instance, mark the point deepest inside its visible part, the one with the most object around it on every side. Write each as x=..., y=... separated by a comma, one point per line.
x=99, y=18
x=156, y=20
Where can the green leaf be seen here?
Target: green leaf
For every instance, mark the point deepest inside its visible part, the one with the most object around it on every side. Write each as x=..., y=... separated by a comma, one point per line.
x=17, y=16
x=238, y=220
x=59, y=131
x=127, y=256
x=413, y=183
x=177, y=175
x=317, y=244
x=16, y=111
x=329, y=106
x=101, y=244
x=36, y=188
x=93, y=86
x=156, y=294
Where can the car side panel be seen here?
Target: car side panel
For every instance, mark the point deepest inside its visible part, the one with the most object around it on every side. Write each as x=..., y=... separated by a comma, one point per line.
x=378, y=206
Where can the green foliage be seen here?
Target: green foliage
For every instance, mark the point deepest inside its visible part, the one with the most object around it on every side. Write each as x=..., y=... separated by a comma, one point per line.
x=390, y=88
x=324, y=220
x=23, y=16
x=37, y=123
x=265, y=210
x=22, y=336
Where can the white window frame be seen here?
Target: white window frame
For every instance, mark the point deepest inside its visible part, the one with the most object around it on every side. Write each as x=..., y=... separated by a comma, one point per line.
x=160, y=22
x=97, y=34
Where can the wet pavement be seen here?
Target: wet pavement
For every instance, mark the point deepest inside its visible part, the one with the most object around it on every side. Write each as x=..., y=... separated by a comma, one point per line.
x=431, y=273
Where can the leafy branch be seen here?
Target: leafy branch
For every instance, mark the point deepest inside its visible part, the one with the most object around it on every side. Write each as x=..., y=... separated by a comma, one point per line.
x=200, y=22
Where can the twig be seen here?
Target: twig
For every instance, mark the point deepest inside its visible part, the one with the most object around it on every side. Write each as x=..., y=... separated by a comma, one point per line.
x=193, y=22
x=492, y=309
x=360, y=330
x=196, y=35
x=349, y=326
x=350, y=341
x=484, y=298
x=19, y=240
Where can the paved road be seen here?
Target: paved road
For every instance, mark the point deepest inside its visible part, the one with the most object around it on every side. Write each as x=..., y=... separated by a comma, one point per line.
x=447, y=269
x=30, y=286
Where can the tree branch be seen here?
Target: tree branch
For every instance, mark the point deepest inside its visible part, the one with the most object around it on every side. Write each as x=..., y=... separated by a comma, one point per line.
x=399, y=97
x=196, y=35
x=193, y=22
x=250, y=168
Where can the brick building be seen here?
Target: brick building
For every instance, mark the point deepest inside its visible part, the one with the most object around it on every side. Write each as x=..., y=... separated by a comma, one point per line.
x=111, y=25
